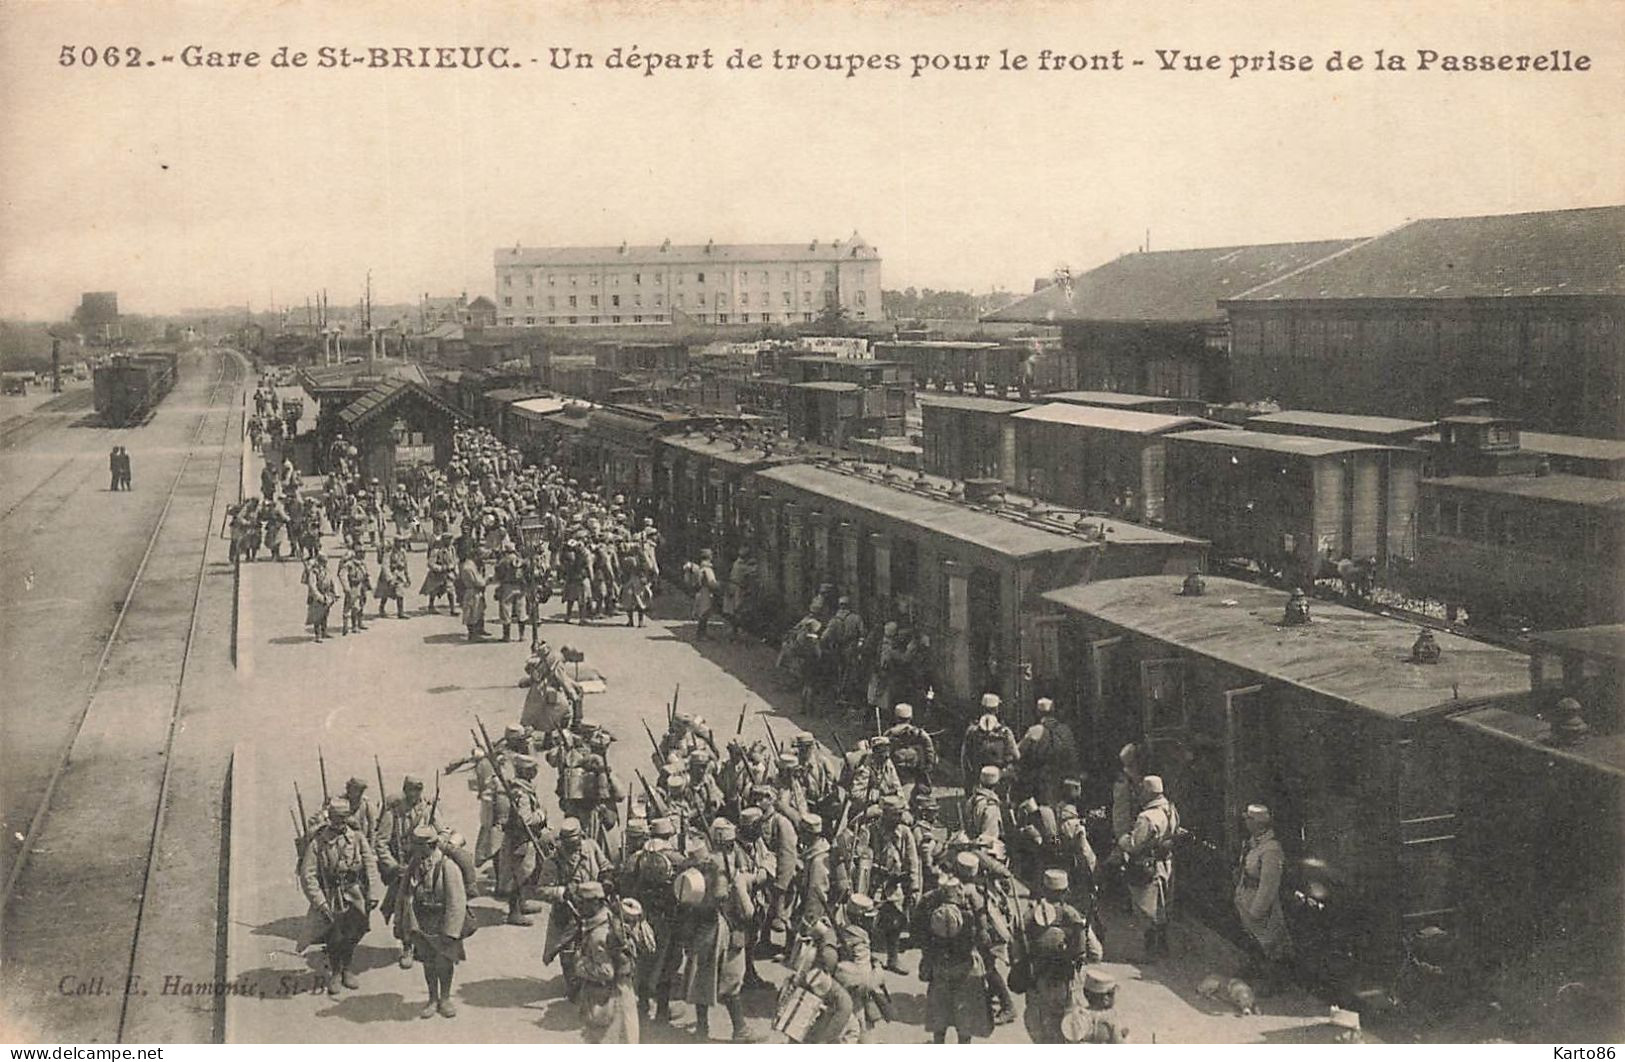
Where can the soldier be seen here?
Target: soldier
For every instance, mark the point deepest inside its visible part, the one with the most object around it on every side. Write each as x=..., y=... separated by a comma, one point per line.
x=441, y=575
x=987, y=743
x=778, y=833
x=1048, y=753
x=362, y=816
x=677, y=742
x=1126, y=789
x=1058, y=941
x=394, y=848
x=813, y=880
x=818, y=779
x=1035, y=846
x=355, y=581
x=575, y=859
x=515, y=807
x=1258, y=901
x=339, y=875
x=704, y=793
x=1099, y=1024
x=320, y=593
x=471, y=585
x=876, y=777
x=510, y=578
x=816, y=973
x=704, y=579
x=1077, y=858
x=1149, y=870
x=929, y=837
x=432, y=908
x=913, y=750
x=855, y=969
x=720, y=932
x=791, y=789
x=650, y=883
x=889, y=874
x=393, y=579
x=984, y=812
x=952, y=934
x=610, y=947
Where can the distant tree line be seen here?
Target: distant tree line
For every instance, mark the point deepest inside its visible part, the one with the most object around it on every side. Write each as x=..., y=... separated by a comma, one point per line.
x=930, y=304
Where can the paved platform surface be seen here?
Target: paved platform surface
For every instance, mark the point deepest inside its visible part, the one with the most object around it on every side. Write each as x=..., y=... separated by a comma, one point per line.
x=409, y=690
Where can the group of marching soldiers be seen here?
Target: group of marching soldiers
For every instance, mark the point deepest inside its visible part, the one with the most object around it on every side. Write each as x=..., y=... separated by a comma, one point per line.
x=500, y=532
x=667, y=888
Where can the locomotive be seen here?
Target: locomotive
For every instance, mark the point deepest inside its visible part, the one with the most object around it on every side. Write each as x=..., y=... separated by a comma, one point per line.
x=128, y=387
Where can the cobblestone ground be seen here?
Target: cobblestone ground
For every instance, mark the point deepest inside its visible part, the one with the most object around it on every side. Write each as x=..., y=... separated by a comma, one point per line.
x=409, y=690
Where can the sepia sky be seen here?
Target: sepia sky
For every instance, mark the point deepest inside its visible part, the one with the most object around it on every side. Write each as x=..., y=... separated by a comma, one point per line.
x=186, y=187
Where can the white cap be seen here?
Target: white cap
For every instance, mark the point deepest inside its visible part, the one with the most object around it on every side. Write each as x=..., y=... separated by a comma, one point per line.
x=990, y=701
x=1045, y=705
x=903, y=711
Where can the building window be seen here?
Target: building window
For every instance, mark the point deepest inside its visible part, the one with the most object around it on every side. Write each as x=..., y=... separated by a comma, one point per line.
x=530, y=280
x=573, y=319
x=593, y=320
x=572, y=280
x=572, y=302
x=829, y=276
x=507, y=280
x=637, y=318
x=744, y=277
x=592, y=300
x=807, y=317
x=786, y=298
x=660, y=275
x=679, y=280
x=551, y=280
x=806, y=277
x=660, y=299
x=614, y=300
x=507, y=321
x=615, y=319
x=861, y=315
x=530, y=320
x=507, y=300
x=552, y=302
x=614, y=280
x=806, y=298
x=764, y=276
x=720, y=297
x=722, y=318
x=530, y=300
x=592, y=278
x=552, y=320
x=863, y=299
x=744, y=298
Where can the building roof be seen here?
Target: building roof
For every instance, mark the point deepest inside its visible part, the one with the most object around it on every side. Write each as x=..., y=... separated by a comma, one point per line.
x=1166, y=285
x=385, y=395
x=482, y=302
x=1599, y=751
x=1304, y=418
x=1103, y=419
x=514, y=394
x=1551, y=252
x=1573, y=446
x=689, y=253
x=1605, y=642
x=972, y=403
x=939, y=344
x=359, y=375
x=1571, y=490
x=1298, y=445
x=1354, y=657
x=1006, y=538
x=443, y=302
x=836, y=359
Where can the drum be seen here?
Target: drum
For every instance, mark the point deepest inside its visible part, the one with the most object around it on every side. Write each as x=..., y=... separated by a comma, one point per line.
x=689, y=888
x=798, y=1012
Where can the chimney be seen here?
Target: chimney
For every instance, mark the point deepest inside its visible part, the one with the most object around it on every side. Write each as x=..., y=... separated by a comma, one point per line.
x=623, y=247
x=708, y=245
x=813, y=246
x=666, y=246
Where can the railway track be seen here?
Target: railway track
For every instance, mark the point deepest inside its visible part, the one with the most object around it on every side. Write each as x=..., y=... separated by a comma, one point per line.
x=77, y=889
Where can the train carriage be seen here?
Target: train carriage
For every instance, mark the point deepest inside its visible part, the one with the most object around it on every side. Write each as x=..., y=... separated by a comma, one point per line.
x=1342, y=732
x=127, y=388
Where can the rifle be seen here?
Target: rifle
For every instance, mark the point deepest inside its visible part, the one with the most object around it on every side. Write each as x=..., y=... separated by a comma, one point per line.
x=298, y=835
x=674, y=695
x=878, y=730
x=839, y=745
x=436, y=805
x=323, y=763
x=383, y=796
x=304, y=819
x=507, y=787
x=739, y=727
x=649, y=794
x=652, y=742
x=771, y=740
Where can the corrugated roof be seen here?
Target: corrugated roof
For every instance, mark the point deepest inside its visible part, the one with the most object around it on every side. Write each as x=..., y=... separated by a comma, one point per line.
x=1605, y=640
x=1300, y=445
x=1344, y=422
x=1167, y=285
x=385, y=395
x=1103, y=419
x=960, y=522
x=974, y=403
x=1604, y=752
x=688, y=254
x=1572, y=490
x=1551, y=252
x=1350, y=656
x=1573, y=446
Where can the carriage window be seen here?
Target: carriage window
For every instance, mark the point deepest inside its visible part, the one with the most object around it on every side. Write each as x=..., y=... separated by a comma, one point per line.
x=1449, y=516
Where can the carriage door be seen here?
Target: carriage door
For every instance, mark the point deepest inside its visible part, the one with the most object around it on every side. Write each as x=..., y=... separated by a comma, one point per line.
x=1166, y=720
x=1099, y=735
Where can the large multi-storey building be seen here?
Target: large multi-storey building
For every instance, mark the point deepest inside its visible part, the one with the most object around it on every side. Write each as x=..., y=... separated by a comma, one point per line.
x=711, y=283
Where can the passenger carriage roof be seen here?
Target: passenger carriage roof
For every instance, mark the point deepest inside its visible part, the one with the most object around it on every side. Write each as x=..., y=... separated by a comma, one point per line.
x=1573, y=445
x=1344, y=421
x=1299, y=445
x=1124, y=420
x=973, y=403
x=1109, y=398
x=1605, y=641
x=956, y=520
x=1572, y=490
x=1354, y=657
x=1603, y=752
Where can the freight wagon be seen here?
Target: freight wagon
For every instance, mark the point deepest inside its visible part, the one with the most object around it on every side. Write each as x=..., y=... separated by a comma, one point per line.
x=129, y=386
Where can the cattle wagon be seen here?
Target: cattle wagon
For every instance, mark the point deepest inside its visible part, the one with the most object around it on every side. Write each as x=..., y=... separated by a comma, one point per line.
x=128, y=387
